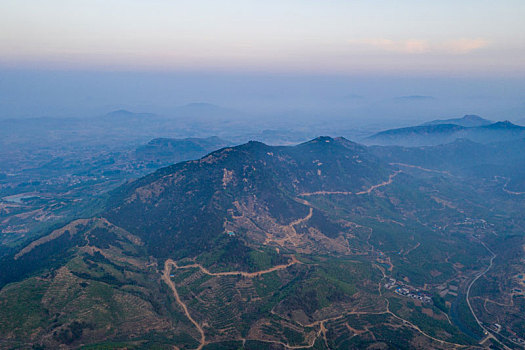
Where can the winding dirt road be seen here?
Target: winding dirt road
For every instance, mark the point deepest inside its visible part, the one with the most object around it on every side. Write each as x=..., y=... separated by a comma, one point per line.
x=488, y=334
x=235, y=273
x=384, y=183
x=421, y=168
x=321, y=323
x=291, y=234
x=301, y=220
x=407, y=322
x=166, y=278
x=367, y=191
x=511, y=192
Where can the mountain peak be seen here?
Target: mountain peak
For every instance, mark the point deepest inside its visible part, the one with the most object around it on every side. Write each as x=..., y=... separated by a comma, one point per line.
x=323, y=139
x=468, y=120
x=254, y=143
x=506, y=124
x=471, y=117
x=119, y=113
x=324, y=143
x=251, y=146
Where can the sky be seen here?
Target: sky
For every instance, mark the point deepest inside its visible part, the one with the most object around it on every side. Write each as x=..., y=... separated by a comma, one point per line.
x=350, y=58
x=330, y=36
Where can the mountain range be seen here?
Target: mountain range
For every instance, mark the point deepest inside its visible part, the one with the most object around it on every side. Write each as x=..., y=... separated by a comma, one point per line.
x=469, y=120
x=446, y=131
x=326, y=244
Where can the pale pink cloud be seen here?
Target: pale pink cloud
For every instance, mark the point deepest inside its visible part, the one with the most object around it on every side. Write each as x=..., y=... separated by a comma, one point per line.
x=463, y=46
x=403, y=46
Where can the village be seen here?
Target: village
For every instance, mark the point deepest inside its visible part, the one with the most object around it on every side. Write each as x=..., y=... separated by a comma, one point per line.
x=405, y=290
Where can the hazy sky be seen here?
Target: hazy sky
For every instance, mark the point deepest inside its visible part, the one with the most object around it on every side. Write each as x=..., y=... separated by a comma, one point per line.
x=347, y=58
x=324, y=36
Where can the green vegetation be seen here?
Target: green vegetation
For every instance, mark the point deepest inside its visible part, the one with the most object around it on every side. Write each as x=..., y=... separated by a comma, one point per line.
x=232, y=253
x=328, y=203
x=23, y=305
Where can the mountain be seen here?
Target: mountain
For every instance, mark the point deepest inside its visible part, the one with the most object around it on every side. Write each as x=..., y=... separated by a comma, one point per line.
x=466, y=158
x=467, y=121
x=504, y=125
x=167, y=150
x=417, y=135
x=435, y=134
x=415, y=98
x=263, y=178
x=497, y=132
x=123, y=114
x=320, y=245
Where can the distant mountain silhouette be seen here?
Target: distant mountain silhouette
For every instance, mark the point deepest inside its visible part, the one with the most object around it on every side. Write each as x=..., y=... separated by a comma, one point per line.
x=504, y=125
x=468, y=120
x=177, y=150
x=125, y=114
x=466, y=158
x=436, y=134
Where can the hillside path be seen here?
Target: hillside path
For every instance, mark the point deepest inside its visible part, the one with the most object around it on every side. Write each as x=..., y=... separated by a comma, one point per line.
x=367, y=191
x=384, y=183
x=421, y=168
x=166, y=278
x=488, y=333
x=235, y=273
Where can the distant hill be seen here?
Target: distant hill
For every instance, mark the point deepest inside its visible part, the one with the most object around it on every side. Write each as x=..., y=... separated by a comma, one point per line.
x=467, y=121
x=417, y=135
x=465, y=158
x=415, y=98
x=167, y=150
x=436, y=134
x=124, y=114
x=505, y=125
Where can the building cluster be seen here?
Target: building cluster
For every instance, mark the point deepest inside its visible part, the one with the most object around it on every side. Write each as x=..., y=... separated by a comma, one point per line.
x=405, y=290
x=475, y=223
x=414, y=294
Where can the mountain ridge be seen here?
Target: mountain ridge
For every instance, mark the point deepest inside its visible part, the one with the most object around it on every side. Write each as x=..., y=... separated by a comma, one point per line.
x=468, y=120
x=435, y=134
